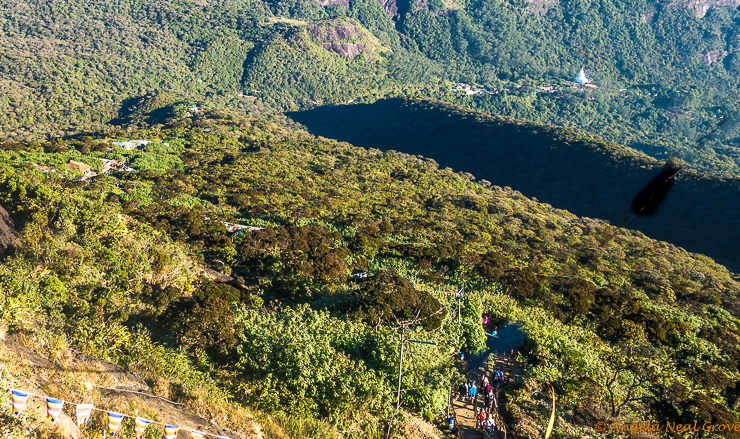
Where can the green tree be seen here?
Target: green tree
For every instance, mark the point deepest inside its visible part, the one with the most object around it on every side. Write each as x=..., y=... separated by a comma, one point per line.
x=389, y=298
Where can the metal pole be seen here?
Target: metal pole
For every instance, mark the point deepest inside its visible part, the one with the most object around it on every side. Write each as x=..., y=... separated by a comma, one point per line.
x=459, y=299
x=449, y=401
x=400, y=368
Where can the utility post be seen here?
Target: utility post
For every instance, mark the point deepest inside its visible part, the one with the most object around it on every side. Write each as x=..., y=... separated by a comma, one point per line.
x=403, y=325
x=400, y=368
x=459, y=300
x=400, y=363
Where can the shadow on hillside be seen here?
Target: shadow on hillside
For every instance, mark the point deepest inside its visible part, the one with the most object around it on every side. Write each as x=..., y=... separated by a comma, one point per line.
x=700, y=214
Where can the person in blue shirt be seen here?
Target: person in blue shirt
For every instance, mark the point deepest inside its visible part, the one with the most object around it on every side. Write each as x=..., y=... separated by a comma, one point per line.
x=473, y=391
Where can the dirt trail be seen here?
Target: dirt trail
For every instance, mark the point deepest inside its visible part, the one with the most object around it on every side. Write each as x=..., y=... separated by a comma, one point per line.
x=465, y=420
x=509, y=339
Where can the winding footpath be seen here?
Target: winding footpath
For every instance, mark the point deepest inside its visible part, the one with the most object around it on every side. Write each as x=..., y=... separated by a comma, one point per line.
x=510, y=339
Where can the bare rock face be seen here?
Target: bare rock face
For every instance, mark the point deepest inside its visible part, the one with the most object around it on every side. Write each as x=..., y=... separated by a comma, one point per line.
x=710, y=57
x=326, y=3
x=335, y=38
x=8, y=236
x=700, y=7
x=334, y=33
x=349, y=50
x=540, y=7
x=390, y=7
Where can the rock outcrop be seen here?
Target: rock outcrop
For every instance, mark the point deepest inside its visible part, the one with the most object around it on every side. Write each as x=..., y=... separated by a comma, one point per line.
x=540, y=7
x=335, y=32
x=349, y=50
x=700, y=7
x=390, y=7
x=326, y=3
x=339, y=38
x=712, y=56
x=8, y=236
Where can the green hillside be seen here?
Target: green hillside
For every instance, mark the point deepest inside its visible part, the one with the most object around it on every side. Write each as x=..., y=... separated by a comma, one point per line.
x=566, y=168
x=71, y=67
x=334, y=60
x=666, y=72
x=110, y=268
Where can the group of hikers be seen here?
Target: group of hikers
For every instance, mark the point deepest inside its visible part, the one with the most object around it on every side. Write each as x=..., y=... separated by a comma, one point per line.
x=489, y=390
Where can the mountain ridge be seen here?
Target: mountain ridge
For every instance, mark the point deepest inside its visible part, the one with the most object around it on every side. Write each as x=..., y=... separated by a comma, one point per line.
x=566, y=168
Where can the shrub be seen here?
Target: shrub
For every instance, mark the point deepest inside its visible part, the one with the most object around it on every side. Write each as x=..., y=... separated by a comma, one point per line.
x=302, y=360
x=218, y=290
x=159, y=260
x=389, y=298
x=164, y=297
x=203, y=325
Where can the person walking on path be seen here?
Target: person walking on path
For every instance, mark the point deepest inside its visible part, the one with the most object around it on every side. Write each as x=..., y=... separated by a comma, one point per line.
x=493, y=404
x=502, y=377
x=490, y=425
x=499, y=377
x=472, y=392
x=463, y=390
x=490, y=398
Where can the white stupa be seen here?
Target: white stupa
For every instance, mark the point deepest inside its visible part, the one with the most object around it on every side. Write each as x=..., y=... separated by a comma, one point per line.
x=581, y=78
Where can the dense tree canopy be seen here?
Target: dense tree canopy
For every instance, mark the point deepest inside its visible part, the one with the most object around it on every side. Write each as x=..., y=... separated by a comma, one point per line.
x=121, y=261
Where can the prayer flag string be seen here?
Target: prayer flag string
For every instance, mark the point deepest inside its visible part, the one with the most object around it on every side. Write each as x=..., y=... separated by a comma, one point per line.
x=54, y=409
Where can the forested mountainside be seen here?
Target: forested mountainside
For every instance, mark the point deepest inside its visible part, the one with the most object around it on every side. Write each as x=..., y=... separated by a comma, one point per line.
x=568, y=169
x=71, y=66
x=625, y=327
x=666, y=71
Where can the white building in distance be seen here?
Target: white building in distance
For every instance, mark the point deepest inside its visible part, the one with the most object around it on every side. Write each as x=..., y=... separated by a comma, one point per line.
x=581, y=77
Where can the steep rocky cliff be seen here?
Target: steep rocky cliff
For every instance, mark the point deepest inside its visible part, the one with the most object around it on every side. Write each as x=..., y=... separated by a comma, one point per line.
x=390, y=6
x=8, y=236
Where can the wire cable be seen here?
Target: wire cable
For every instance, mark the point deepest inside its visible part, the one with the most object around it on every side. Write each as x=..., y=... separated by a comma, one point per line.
x=107, y=411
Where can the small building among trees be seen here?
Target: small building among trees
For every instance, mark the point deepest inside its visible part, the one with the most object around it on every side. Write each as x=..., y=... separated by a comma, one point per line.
x=80, y=167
